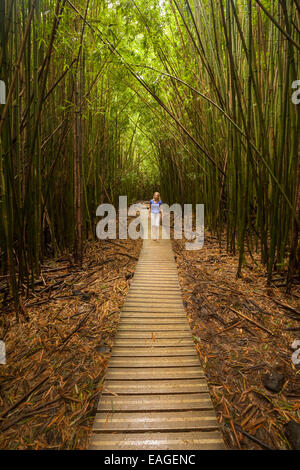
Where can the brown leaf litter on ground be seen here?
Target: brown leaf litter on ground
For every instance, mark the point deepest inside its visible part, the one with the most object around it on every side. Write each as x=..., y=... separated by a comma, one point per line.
x=243, y=331
x=56, y=361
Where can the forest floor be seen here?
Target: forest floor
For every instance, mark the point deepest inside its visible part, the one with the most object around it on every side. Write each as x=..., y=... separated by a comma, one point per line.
x=244, y=331
x=56, y=361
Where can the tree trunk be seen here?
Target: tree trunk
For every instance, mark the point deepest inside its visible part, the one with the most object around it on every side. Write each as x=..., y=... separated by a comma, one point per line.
x=77, y=181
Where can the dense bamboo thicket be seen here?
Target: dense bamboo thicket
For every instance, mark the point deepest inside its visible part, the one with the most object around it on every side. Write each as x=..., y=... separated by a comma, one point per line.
x=109, y=98
x=68, y=134
x=239, y=60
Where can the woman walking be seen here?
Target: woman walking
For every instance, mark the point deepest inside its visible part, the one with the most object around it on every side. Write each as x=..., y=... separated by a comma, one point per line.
x=155, y=212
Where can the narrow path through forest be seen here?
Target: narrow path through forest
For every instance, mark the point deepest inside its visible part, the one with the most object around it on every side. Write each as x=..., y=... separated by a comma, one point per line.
x=103, y=103
x=155, y=395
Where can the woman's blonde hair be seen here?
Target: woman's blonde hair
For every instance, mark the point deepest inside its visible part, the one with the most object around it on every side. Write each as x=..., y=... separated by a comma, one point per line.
x=156, y=193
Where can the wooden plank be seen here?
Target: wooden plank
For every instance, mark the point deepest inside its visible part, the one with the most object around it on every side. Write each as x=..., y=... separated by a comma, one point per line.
x=158, y=441
x=150, y=307
x=153, y=351
x=163, y=287
x=153, y=327
x=156, y=279
x=149, y=342
x=159, y=387
x=167, y=264
x=166, y=285
x=148, y=302
x=161, y=278
x=155, y=314
x=151, y=373
x=155, y=276
x=138, y=295
x=149, y=282
x=144, y=362
x=148, y=289
x=176, y=335
x=160, y=303
x=143, y=298
x=152, y=322
x=156, y=421
x=188, y=401
x=175, y=314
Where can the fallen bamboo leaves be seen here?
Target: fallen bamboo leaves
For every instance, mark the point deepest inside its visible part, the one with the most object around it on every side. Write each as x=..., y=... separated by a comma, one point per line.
x=54, y=372
x=236, y=352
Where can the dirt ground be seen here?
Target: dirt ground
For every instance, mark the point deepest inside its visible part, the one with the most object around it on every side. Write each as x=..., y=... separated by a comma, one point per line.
x=244, y=331
x=56, y=362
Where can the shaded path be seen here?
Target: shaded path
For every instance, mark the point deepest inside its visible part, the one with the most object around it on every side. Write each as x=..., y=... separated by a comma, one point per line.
x=155, y=395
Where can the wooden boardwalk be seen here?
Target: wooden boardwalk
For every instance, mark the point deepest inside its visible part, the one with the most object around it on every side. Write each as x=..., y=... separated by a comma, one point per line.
x=155, y=394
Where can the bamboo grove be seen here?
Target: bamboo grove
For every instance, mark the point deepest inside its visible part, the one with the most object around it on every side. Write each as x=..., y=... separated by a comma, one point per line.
x=106, y=98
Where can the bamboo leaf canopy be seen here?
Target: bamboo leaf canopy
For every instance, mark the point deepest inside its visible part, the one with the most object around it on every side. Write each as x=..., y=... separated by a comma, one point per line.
x=193, y=97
